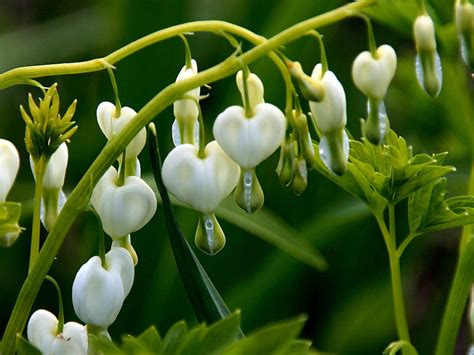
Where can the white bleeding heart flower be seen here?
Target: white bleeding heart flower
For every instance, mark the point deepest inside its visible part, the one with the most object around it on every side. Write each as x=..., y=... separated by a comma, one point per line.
x=428, y=64
x=424, y=32
x=254, y=87
x=201, y=183
x=42, y=333
x=9, y=165
x=111, y=125
x=250, y=140
x=372, y=75
x=123, y=209
x=98, y=293
x=186, y=111
x=464, y=17
x=330, y=112
x=52, y=196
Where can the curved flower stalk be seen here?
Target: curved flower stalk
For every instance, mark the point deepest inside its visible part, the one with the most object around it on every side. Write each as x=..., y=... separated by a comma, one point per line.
x=464, y=16
x=9, y=211
x=124, y=207
x=100, y=288
x=52, y=195
x=428, y=64
x=372, y=74
x=202, y=182
x=249, y=135
x=111, y=125
x=186, y=111
x=331, y=117
x=43, y=333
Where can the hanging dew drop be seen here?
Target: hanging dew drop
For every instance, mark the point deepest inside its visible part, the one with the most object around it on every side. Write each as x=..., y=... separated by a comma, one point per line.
x=248, y=182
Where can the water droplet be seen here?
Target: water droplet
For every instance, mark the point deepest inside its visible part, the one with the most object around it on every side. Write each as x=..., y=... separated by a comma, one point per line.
x=248, y=182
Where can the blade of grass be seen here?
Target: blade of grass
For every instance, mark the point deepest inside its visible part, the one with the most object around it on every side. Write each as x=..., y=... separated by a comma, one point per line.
x=207, y=303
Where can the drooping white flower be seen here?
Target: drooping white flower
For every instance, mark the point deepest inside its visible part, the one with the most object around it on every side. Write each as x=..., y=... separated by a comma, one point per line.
x=9, y=165
x=464, y=17
x=200, y=182
x=98, y=293
x=330, y=112
x=123, y=209
x=428, y=64
x=250, y=140
x=111, y=125
x=254, y=87
x=42, y=333
x=372, y=75
x=52, y=196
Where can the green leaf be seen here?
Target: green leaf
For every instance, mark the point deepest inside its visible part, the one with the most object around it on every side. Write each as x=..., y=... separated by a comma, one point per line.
x=273, y=339
x=150, y=338
x=104, y=346
x=207, y=303
x=173, y=338
x=23, y=347
x=133, y=346
x=269, y=227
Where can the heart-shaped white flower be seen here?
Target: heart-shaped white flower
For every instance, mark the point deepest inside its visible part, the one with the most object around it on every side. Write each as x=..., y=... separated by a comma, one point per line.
x=111, y=125
x=250, y=140
x=201, y=183
x=123, y=209
x=329, y=113
x=97, y=292
x=186, y=109
x=372, y=75
x=9, y=165
x=42, y=333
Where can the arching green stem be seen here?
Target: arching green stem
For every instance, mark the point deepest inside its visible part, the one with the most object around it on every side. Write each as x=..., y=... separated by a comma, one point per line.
x=324, y=60
x=118, y=106
x=187, y=52
x=60, y=327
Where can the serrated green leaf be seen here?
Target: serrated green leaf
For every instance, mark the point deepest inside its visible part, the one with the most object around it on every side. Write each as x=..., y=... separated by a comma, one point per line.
x=173, y=338
x=23, y=347
x=271, y=339
x=133, y=346
x=150, y=338
x=102, y=345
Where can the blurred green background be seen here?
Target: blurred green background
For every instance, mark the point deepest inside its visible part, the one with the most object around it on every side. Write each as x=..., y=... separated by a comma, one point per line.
x=349, y=304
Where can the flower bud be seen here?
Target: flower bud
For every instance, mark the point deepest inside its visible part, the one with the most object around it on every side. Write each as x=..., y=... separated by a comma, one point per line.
x=186, y=111
x=372, y=75
x=464, y=16
x=10, y=213
x=300, y=180
x=330, y=112
x=311, y=89
x=254, y=87
x=286, y=165
x=98, y=291
x=249, y=141
x=112, y=125
x=42, y=333
x=305, y=143
x=428, y=64
x=123, y=209
x=9, y=165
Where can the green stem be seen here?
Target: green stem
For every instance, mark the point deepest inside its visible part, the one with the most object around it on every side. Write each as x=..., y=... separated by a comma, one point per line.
x=248, y=109
x=390, y=239
x=60, y=327
x=118, y=106
x=370, y=35
x=40, y=168
x=80, y=196
x=187, y=52
x=324, y=59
